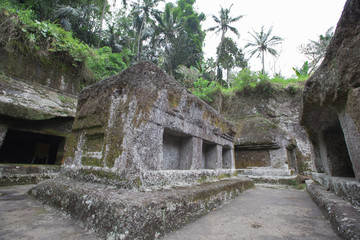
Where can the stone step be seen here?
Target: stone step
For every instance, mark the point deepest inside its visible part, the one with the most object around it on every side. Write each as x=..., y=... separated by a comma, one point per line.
x=13, y=174
x=277, y=180
x=264, y=171
x=132, y=214
x=347, y=188
x=344, y=218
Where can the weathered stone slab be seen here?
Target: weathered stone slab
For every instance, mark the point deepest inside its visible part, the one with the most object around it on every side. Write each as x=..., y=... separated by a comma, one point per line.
x=130, y=214
x=344, y=218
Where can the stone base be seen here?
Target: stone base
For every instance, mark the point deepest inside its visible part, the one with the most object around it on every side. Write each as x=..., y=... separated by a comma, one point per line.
x=264, y=171
x=26, y=174
x=131, y=214
x=347, y=188
x=282, y=180
x=344, y=218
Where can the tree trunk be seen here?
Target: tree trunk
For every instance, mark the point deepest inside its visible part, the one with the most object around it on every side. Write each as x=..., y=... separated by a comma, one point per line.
x=139, y=37
x=101, y=22
x=263, y=62
x=219, y=52
x=228, y=72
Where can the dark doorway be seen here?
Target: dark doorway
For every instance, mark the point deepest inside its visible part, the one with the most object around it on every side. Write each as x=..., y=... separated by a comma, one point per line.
x=22, y=147
x=337, y=154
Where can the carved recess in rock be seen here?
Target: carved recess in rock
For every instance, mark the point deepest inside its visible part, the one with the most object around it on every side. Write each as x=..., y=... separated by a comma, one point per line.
x=331, y=100
x=142, y=124
x=268, y=134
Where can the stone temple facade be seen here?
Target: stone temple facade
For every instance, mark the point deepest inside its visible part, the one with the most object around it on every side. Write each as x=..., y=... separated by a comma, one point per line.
x=142, y=128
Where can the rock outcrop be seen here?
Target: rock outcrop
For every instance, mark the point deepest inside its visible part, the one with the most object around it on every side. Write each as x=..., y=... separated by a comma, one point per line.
x=331, y=115
x=331, y=101
x=269, y=137
x=34, y=121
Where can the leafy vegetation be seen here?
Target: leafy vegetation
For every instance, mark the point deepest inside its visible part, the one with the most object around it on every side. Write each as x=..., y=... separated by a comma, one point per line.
x=83, y=33
x=244, y=82
x=223, y=25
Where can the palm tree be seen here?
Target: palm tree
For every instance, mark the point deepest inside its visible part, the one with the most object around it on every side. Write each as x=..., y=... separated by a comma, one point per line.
x=224, y=21
x=262, y=43
x=147, y=10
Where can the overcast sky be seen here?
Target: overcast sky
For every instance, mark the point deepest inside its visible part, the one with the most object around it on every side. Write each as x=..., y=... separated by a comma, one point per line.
x=296, y=21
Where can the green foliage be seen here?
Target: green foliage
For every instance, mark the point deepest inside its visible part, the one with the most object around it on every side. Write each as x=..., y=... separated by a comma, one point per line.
x=303, y=71
x=204, y=89
x=223, y=25
x=83, y=17
x=29, y=35
x=187, y=46
x=104, y=63
x=247, y=82
x=188, y=75
x=230, y=55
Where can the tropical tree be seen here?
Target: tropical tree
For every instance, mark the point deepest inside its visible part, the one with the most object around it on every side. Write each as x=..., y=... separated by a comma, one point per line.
x=315, y=50
x=82, y=20
x=145, y=10
x=263, y=42
x=223, y=25
x=186, y=48
x=231, y=56
x=167, y=31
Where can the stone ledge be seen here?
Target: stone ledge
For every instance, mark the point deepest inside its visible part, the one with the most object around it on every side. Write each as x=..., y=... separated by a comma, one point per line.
x=347, y=188
x=131, y=214
x=12, y=174
x=344, y=218
x=20, y=179
x=282, y=180
x=264, y=171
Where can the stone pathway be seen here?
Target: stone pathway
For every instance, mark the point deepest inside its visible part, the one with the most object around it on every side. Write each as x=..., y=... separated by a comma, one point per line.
x=261, y=213
x=23, y=217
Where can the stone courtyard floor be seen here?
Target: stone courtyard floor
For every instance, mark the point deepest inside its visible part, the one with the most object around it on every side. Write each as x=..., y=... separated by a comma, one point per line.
x=260, y=213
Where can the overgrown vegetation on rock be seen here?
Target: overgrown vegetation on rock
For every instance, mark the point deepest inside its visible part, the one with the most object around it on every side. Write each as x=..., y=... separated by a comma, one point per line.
x=21, y=32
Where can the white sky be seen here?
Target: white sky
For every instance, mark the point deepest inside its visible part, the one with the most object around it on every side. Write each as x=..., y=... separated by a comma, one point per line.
x=296, y=21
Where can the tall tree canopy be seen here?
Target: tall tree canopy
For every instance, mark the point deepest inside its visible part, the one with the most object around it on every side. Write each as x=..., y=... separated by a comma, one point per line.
x=231, y=56
x=187, y=46
x=223, y=25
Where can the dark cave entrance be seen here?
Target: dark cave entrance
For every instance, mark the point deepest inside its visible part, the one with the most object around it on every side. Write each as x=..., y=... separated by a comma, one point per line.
x=339, y=162
x=22, y=147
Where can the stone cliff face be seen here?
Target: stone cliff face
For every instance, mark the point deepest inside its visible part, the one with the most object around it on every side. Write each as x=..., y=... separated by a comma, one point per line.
x=34, y=121
x=331, y=101
x=269, y=124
